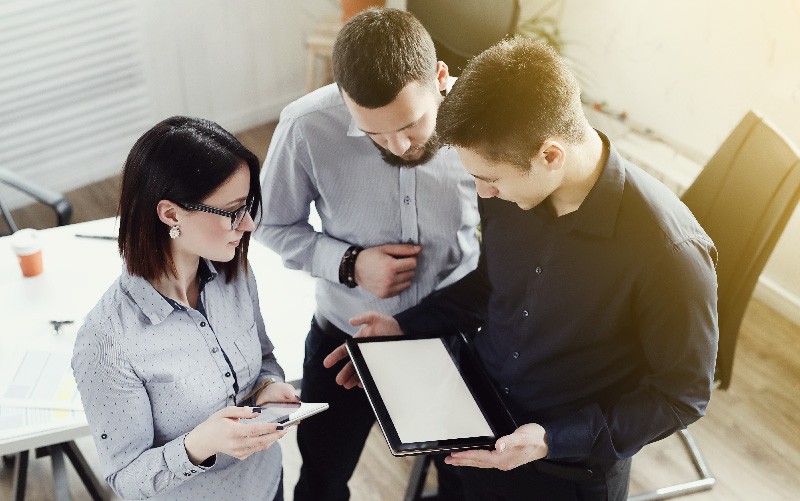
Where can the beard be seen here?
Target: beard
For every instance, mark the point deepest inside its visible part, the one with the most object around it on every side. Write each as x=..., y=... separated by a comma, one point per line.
x=429, y=150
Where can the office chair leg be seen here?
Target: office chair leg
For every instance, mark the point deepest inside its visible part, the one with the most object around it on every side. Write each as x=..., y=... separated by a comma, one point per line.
x=704, y=483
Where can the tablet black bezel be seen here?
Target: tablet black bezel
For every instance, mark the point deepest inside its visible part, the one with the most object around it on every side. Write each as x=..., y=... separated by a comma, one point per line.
x=476, y=379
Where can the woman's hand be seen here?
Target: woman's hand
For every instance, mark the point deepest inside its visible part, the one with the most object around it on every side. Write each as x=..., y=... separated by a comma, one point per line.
x=222, y=432
x=277, y=392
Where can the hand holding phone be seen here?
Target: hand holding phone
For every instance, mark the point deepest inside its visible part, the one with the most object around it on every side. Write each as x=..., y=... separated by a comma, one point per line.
x=286, y=413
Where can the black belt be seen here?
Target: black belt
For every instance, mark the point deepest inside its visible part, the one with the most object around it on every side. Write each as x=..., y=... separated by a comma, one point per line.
x=326, y=326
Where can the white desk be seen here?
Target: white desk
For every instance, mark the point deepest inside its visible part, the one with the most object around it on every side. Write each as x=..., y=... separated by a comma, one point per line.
x=77, y=271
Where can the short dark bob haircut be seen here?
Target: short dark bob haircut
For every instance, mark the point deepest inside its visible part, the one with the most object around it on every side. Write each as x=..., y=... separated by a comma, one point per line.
x=181, y=159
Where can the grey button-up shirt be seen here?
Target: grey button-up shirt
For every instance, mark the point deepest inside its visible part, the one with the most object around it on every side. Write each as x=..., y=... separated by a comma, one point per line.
x=318, y=155
x=149, y=372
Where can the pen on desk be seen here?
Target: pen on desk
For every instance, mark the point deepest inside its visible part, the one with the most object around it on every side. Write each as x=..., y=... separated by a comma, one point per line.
x=99, y=237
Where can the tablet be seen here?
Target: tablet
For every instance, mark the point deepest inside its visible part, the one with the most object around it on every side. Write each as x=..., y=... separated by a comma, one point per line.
x=286, y=413
x=429, y=395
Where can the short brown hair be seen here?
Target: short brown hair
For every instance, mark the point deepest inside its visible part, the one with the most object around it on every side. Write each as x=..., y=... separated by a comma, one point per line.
x=181, y=159
x=509, y=100
x=380, y=51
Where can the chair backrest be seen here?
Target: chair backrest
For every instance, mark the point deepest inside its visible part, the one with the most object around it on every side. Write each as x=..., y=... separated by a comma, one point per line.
x=743, y=199
x=56, y=201
x=462, y=29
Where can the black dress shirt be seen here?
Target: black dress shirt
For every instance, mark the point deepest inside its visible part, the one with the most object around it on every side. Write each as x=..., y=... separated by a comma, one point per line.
x=601, y=324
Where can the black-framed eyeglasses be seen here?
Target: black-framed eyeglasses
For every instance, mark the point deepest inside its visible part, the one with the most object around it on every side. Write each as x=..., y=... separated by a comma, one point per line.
x=236, y=216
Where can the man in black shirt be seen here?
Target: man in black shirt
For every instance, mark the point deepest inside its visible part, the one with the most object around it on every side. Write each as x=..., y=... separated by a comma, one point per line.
x=596, y=290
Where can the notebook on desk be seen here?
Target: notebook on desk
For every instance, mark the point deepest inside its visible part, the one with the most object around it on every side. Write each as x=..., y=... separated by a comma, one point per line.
x=429, y=395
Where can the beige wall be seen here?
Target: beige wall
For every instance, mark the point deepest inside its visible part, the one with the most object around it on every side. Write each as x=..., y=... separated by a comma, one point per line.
x=689, y=70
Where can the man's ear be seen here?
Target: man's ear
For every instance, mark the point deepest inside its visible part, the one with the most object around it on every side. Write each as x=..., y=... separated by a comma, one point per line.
x=442, y=74
x=168, y=212
x=552, y=154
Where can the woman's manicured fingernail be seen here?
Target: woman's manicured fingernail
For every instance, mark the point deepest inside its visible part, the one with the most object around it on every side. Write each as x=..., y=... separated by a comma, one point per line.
x=257, y=409
x=279, y=428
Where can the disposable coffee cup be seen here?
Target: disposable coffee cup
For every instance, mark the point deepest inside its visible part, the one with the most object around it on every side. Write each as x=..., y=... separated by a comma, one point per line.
x=26, y=245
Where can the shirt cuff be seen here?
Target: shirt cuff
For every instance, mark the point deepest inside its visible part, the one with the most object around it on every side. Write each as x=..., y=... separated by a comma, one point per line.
x=568, y=437
x=178, y=460
x=274, y=377
x=328, y=254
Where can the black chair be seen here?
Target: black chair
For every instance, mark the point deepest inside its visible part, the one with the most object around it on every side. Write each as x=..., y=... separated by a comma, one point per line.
x=56, y=201
x=743, y=198
x=462, y=29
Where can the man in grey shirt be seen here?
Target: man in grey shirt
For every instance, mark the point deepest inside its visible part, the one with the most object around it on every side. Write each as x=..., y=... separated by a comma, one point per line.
x=398, y=214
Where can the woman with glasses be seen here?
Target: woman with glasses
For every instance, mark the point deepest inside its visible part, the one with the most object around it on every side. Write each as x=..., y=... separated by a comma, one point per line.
x=174, y=359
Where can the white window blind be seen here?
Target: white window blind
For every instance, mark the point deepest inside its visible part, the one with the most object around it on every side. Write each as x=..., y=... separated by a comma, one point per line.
x=73, y=97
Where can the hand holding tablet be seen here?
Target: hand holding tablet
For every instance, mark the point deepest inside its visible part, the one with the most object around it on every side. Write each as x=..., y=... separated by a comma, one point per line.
x=429, y=395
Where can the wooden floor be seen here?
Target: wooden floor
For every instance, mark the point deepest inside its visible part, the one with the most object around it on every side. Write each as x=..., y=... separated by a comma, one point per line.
x=750, y=437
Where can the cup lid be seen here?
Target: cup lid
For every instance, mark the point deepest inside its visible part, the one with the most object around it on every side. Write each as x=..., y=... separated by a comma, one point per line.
x=25, y=242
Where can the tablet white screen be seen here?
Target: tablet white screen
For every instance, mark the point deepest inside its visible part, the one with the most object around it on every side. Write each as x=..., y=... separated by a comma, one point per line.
x=423, y=391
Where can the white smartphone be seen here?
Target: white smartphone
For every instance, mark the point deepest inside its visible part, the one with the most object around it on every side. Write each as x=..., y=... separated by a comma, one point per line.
x=286, y=413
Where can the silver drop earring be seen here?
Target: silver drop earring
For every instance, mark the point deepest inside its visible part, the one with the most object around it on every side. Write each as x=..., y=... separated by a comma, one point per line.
x=174, y=232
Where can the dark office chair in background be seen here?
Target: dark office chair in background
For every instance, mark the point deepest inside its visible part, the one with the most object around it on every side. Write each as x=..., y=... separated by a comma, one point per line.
x=743, y=198
x=56, y=201
x=462, y=29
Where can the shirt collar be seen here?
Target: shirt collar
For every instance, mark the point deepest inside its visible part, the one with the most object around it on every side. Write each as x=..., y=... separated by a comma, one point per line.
x=598, y=213
x=152, y=304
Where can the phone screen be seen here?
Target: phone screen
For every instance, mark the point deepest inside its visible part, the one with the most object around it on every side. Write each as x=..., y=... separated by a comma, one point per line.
x=274, y=412
x=286, y=413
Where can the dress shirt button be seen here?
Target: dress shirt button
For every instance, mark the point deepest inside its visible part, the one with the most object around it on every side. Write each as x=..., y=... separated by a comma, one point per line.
x=538, y=270
x=506, y=390
x=227, y=374
x=214, y=349
x=516, y=354
x=407, y=200
x=193, y=471
x=104, y=436
x=202, y=324
x=185, y=474
x=525, y=313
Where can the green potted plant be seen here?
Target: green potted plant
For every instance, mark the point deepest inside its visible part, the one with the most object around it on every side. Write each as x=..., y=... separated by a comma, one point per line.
x=543, y=26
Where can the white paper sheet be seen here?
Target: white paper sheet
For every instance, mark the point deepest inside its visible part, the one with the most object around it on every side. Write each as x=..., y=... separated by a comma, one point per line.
x=18, y=422
x=40, y=379
x=423, y=391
